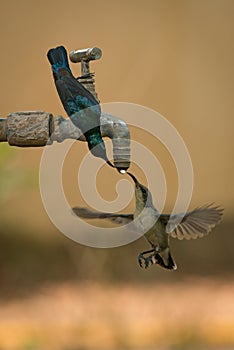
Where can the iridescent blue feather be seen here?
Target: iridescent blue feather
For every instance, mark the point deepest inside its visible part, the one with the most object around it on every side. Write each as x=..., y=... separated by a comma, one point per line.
x=78, y=102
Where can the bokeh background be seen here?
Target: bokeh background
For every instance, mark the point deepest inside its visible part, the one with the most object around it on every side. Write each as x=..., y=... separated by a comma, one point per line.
x=174, y=56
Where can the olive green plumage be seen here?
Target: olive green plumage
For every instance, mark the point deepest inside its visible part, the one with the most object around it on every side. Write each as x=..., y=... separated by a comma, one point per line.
x=158, y=228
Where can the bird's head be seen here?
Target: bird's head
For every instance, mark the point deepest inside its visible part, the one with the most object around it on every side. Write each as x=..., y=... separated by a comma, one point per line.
x=143, y=195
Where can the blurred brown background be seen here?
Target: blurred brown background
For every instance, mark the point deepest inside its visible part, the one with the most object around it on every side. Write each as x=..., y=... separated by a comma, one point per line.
x=174, y=56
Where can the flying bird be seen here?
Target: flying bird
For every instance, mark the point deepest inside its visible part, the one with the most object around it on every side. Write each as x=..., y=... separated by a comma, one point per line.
x=78, y=102
x=157, y=228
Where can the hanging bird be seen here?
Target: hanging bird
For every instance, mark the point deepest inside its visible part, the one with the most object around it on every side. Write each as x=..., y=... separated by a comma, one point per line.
x=148, y=220
x=78, y=102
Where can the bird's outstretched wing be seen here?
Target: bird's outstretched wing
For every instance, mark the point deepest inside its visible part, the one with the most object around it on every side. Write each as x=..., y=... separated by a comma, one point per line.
x=194, y=224
x=121, y=219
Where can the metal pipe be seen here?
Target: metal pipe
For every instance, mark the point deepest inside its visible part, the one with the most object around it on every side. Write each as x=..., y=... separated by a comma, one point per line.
x=3, y=129
x=37, y=128
x=89, y=54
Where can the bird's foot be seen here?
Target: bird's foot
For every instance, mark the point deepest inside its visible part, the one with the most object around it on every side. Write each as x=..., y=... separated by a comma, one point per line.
x=145, y=262
x=141, y=260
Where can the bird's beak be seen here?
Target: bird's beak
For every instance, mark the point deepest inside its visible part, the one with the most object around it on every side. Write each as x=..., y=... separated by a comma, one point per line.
x=109, y=163
x=134, y=179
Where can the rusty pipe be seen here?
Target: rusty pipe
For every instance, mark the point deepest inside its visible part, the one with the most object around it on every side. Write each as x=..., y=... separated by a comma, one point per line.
x=37, y=129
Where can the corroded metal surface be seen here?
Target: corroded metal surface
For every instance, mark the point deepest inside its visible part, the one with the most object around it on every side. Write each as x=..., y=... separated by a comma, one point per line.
x=29, y=128
x=84, y=56
x=119, y=133
x=3, y=129
x=37, y=128
x=88, y=54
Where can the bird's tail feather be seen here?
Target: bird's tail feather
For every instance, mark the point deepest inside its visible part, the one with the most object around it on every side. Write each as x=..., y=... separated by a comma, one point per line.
x=58, y=58
x=164, y=259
